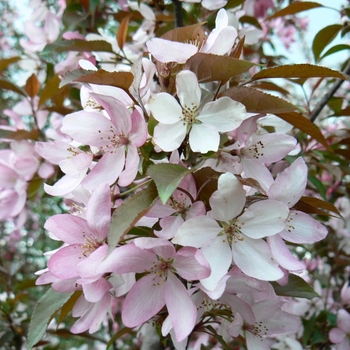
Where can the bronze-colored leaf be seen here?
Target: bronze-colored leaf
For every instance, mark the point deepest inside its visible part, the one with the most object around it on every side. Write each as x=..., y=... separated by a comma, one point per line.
x=4, y=63
x=7, y=85
x=122, y=80
x=324, y=37
x=19, y=134
x=123, y=30
x=32, y=86
x=304, y=125
x=267, y=85
x=193, y=34
x=319, y=203
x=257, y=101
x=209, y=67
x=298, y=71
x=294, y=8
x=50, y=89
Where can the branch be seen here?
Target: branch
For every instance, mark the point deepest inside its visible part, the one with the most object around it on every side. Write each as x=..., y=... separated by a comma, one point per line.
x=178, y=13
x=317, y=110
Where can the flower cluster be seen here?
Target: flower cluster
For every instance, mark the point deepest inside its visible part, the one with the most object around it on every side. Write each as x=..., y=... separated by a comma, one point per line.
x=186, y=197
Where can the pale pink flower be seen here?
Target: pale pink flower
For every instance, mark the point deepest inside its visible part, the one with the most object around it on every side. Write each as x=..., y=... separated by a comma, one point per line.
x=218, y=42
x=227, y=235
x=118, y=138
x=340, y=335
x=203, y=125
x=160, y=262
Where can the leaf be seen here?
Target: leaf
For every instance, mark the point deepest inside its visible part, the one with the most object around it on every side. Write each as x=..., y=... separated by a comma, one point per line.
x=189, y=34
x=250, y=20
x=303, y=70
x=123, y=31
x=50, y=89
x=207, y=183
x=78, y=45
x=296, y=287
x=4, y=63
x=267, y=85
x=304, y=125
x=257, y=101
x=122, y=80
x=335, y=49
x=32, y=86
x=49, y=303
x=7, y=85
x=167, y=178
x=294, y=8
x=19, y=135
x=209, y=67
x=129, y=212
x=323, y=38
x=319, y=203
x=321, y=189
x=68, y=306
x=120, y=333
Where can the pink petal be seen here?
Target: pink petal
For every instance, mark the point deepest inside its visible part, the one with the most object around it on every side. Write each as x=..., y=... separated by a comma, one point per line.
x=282, y=254
x=170, y=51
x=182, y=311
x=68, y=228
x=219, y=256
x=144, y=300
x=197, y=231
x=127, y=258
x=254, y=258
x=95, y=291
x=128, y=175
x=263, y=218
x=302, y=228
x=63, y=264
x=98, y=212
x=108, y=168
x=190, y=264
x=336, y=335
x=228, y=201
x=290, y=185
x=139, y=132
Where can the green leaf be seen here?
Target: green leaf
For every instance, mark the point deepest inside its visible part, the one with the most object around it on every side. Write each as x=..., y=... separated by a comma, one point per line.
x=335, y=49
x=77, y=45
x=209, y=67
x=167, y=178
x=4, y=63
x=323, y=38
x=296, y=287
x=304, y=125
x=129, y=212
x=257, y=101
x=294, y=8
x=7, y=85
x=303, y=70
x=49, y=303
x=321, y=189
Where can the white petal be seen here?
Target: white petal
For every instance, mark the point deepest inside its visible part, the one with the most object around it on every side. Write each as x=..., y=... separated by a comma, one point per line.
x=224, y=113
x=165, y=108
x=169, y=136
x=204, y=138
x=188, y=90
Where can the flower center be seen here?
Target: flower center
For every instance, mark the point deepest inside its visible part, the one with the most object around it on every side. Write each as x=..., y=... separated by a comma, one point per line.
x=233, y=232
x=256, y=150
x=90, y=245
x=113, y=140
x=189, y=114
x=258, y=329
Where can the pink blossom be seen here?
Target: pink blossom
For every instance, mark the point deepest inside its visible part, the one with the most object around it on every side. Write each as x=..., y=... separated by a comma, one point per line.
x=340, y=335
x=160, y=286
x=118, y=138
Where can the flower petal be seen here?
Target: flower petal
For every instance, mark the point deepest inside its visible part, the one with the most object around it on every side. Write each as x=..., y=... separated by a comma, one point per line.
x=169, y=136
x=204, y=138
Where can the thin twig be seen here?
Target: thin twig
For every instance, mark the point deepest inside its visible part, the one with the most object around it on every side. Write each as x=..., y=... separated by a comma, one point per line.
x=317, y=110
x=178, y=13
